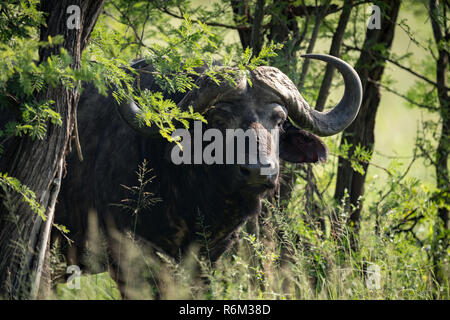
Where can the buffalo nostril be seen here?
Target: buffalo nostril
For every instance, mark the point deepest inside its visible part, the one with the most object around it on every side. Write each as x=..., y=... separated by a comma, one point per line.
x=244, y=171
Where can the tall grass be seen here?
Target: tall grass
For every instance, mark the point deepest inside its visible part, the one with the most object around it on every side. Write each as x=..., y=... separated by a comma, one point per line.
x=294, y=256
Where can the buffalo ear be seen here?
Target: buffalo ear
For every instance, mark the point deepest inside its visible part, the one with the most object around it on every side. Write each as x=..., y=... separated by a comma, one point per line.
x=300, y=146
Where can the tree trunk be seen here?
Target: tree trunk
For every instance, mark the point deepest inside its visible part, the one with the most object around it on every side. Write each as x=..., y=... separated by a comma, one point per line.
x=36, y=163
x=335, y=50
x=241, y=12
x=312, y=42
x=441, y=166
x=361, y=132
x=257, y=34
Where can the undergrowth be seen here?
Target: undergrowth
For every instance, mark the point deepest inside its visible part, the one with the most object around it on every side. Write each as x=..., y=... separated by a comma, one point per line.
x=296, y=256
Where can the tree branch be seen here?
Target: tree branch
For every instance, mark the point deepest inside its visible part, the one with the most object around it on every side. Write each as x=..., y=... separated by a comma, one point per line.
x=304, y=10
x=212, y=24
x=430, y=108
x=379, y=56
x=45, y=236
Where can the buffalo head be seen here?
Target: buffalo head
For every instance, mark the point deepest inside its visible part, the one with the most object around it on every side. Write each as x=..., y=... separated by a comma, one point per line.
x=272, y=107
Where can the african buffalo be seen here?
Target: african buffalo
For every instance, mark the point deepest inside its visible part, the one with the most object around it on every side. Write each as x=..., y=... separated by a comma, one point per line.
x=225, y=195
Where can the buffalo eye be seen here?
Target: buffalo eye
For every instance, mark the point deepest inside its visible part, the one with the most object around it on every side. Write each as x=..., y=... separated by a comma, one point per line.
x=279, y=117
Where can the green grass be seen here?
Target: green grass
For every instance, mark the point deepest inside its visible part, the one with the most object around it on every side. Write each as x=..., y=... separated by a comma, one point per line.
x=295, y=258
x=94, y=287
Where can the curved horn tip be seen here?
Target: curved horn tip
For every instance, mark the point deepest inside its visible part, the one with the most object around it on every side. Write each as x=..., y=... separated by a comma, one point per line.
x=326, y=58
x=341, y=116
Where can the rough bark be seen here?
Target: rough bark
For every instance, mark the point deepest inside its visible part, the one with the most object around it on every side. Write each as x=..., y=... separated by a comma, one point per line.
x=361, y=132
x=36, y=163
x=257, y=35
